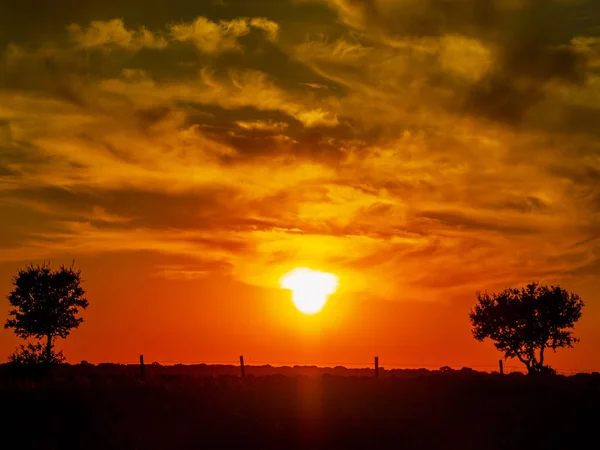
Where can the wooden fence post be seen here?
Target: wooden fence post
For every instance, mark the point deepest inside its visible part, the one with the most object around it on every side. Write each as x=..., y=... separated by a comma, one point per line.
x=377, y=366
x=242, y=366
x=501, y=367
x=142, y=365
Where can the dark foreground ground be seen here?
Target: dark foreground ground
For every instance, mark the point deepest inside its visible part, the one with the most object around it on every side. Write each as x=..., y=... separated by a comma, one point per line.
x=94, y=409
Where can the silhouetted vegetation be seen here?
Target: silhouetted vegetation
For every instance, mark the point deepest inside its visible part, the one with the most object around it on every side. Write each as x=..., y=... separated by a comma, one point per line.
x=109, y=407
x=46, y=306
x=523, y=323
x=35, y=354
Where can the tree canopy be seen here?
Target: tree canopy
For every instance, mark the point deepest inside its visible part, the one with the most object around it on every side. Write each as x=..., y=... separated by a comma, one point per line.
x=524, y=322
x=46, y=303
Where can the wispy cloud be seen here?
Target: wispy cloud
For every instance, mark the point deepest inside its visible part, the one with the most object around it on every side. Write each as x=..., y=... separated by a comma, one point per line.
x=213, y=37
x=414, y=150
x=113, y=33
x=261, y=125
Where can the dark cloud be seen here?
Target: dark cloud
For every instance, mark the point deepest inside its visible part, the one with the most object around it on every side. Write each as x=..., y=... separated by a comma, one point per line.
x=138, y=208
x=463, y=221
x=19, y=223
x=498, y=98
x=581, y=175
x=6, y=172
x=426, y=18
x=527, y=204
x=363, y=141
x=5, y=132
x=548, y=20
x=517, y=83
x=577, y=119
x=530, y=39
x=268, y=57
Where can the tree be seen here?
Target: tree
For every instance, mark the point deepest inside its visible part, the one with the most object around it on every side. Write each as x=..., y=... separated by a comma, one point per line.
x=46, y=304
x=524, y=322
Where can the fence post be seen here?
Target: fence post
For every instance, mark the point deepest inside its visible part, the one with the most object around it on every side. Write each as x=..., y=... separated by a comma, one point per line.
x=142, y=365
x=377, y=366
x=242, y=366
x=501, y=367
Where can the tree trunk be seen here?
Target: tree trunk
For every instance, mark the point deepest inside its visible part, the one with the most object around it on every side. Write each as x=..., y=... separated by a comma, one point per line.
x=542, y=357
x=527, y=363
x=49, y=349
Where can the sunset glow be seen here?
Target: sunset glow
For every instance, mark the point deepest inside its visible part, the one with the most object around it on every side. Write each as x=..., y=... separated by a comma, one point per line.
x=310, y=288
x=300, y=224
x=186, y=155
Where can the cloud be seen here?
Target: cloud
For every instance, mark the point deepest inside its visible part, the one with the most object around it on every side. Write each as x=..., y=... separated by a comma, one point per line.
x=100, y=214
x=508, y=48
x=466, y=57
x=223, y=36
x=208, y=36
x=180, y=272
x=5, y=133
x=413, y=148
x=211, y=37
x=261, y=125
x=318, y=117
x=113, y=33
x=315, y=85
x=268, y=26
x=247, y=88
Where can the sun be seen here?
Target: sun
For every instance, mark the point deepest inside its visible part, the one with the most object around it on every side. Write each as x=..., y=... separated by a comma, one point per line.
x=310, y=288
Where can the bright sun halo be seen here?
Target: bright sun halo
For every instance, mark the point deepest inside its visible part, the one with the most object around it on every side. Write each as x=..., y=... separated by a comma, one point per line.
x=310, y=288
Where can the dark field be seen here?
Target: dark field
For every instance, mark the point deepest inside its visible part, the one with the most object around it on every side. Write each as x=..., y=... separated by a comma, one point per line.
x=105, y=408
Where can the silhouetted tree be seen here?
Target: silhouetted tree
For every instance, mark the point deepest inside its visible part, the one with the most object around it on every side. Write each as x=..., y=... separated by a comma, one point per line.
x=46, y=304
x=34, y=354
x=524, y=321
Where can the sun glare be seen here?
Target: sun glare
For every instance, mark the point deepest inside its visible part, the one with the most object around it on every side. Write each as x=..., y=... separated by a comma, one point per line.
x=310, y=288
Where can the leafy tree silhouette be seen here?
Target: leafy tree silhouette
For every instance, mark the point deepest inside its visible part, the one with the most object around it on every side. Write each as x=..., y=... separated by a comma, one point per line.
x=46, y=304
x=524, y=321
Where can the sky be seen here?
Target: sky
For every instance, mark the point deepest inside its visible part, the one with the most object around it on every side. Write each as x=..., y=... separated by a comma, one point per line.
x=187, y=154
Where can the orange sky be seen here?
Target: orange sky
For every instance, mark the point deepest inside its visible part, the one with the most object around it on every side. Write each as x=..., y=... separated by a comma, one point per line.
x=187, y=154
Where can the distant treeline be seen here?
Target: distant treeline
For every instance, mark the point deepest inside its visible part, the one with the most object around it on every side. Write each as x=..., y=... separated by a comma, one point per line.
x=204, y=370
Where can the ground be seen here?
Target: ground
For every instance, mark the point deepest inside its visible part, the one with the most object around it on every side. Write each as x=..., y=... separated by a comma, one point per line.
x=95, y=407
